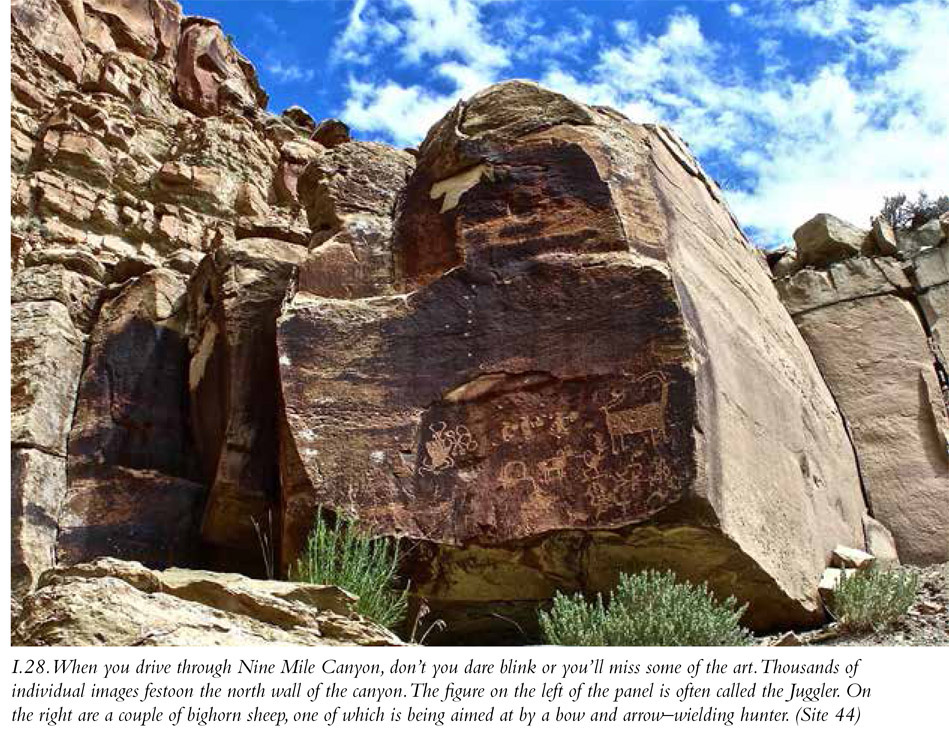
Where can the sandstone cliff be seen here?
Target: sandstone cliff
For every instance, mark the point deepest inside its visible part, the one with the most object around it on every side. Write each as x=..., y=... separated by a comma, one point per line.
x=539, y=349
x=873, y=309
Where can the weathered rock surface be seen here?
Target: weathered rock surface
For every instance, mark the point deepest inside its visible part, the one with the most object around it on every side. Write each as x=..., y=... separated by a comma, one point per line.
x=211, y=75
x=46, y=353
x=929, y=272
x=350, y=193
x=877, y=343
x=38, y=484
x=843, y=557
x=899, y=426
x=538, y=349
x=560, y=367
x=233, y=302
x=119, y=603
x=134, y=133
x=132, y=489
x=826, y=239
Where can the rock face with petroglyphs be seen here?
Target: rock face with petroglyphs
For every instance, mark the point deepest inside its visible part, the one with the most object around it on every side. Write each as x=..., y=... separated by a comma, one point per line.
x=581, y=368
x=538, y=349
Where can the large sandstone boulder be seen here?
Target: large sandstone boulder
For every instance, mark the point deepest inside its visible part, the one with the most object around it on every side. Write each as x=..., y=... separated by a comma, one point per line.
x=51, y=33
x=233, y=302
x=132, y=489
x=867, y=336
x=148, y=28
x=120, y=603
x=585, y=371
x=350, y=193
x=825, y=239
x=929, y=273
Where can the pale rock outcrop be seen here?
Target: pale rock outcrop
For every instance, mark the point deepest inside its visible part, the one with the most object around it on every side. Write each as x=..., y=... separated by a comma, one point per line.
x=46, y=353
x=884, y=238
x=825, y=239
x=330, y=133
x=929, y=272
x=558, y=390
x=865, y=320
x=118, y=603
x=299, y=117
x=844, y=557
x=211, y=76
x=911, y=242
x=880, y=543
x=350, y=193
x=117, y=183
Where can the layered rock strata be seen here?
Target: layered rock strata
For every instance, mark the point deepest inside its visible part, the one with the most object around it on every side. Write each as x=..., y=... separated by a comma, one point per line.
x=140, y=142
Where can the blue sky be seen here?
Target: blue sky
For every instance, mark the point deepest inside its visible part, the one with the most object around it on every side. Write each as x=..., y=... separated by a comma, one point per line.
x=794, y=106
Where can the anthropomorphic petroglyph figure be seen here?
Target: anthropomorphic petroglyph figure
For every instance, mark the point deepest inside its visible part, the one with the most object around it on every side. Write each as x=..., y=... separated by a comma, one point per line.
x=513, y=473
x=593, y=459
x=627, y=480
x=650, y=418
x=445, y=446
x=439, y=450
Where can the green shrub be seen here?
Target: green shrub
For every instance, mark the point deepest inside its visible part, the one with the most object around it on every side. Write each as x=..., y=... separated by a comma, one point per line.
x=343, y=555
x=873, y=598
x=646, y=609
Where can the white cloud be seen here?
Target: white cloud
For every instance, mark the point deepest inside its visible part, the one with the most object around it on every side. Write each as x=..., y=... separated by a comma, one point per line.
x=869, y=119
x=403, y=113
x=435, y=29
x=825, y=17
x=418, y=30
x=288, y=73
x=839, y=139
x=451, y=34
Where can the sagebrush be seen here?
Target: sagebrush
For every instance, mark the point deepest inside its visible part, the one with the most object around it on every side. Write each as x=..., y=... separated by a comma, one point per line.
x=343, y=555
x=651, y=608
x=873, y=598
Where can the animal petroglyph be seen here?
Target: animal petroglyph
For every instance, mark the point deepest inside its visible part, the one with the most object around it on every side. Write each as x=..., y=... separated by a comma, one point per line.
x=554, y=468
x=445, y=446
x=527, y=427
x=515, y=472
x=648, y=418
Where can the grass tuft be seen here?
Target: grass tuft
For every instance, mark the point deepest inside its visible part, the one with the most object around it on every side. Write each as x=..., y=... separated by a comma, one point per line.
x=342, y=555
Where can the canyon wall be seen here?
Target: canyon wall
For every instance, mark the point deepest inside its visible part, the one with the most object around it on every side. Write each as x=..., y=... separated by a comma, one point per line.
x=538, y=350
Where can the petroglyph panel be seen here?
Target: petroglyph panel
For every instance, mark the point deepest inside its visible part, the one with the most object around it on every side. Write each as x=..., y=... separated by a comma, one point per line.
x=603, y=449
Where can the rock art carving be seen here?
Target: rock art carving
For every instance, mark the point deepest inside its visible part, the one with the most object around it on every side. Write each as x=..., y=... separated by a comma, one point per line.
x=554, y=468
x=648, y=418
x=445, y=446
x=515, y=472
